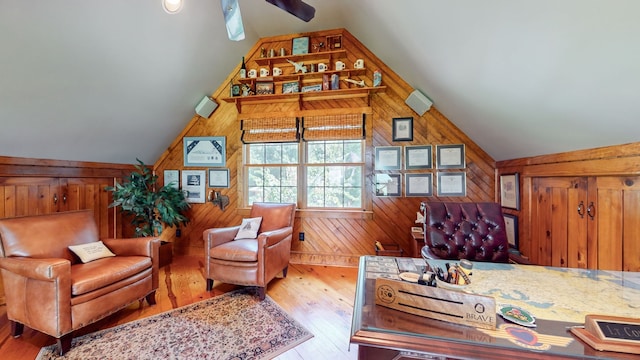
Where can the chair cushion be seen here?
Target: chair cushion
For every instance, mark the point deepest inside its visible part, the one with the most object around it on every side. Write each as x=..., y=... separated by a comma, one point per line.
x=238, y=250
x=103, y=272
x=249, y=228
x=91, y=251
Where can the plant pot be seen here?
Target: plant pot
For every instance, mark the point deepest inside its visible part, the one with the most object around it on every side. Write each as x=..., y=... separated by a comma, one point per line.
x=166, y=253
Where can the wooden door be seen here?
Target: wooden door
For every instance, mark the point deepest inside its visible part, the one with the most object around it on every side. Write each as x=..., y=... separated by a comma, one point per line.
x=90, y=193
x=559, y=221
x=614, y=203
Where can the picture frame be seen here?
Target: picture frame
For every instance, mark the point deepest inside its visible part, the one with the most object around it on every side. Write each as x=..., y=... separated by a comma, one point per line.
x=452, y=184
x=334, y=42
x=450, y=156
x=219, y=178
x=312, y=88
x=511, y=227
x=418, y=185
x=300, y=45
x=172, y=177
x=388, y=157
x=510, y=191
x=236, y=90
x=402, y=129
x=204, y=151
x=418, y=157
x=290, y=87
x=193, y=184
x=264, y=87
x=388, y=185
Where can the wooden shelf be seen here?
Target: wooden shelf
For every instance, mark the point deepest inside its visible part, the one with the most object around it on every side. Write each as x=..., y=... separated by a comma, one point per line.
x=303, y=76
x=270, y=61
x=301, y=97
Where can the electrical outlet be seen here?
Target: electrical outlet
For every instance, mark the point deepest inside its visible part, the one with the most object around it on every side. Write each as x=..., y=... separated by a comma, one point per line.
x=178, y=233
x=301, y=236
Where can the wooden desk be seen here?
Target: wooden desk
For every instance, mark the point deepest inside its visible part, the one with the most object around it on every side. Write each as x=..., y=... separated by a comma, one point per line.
x=418, y=243
x=557, y=297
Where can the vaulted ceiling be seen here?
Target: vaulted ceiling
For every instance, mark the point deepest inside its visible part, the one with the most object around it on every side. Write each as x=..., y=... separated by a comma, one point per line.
x=109, y=81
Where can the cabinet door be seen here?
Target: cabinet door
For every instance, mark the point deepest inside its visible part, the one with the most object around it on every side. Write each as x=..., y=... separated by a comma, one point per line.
x=89, y=193
x=24, y=196
x=558, y=221
x=615, y=209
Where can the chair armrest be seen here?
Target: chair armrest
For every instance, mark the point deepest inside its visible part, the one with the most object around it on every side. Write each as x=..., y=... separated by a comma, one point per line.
x=142, y=246
x=217, y=236
x=37, y=269
x=270, y=238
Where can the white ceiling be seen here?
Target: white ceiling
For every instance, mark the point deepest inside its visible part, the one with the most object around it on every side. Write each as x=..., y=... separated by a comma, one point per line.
x=109, y=81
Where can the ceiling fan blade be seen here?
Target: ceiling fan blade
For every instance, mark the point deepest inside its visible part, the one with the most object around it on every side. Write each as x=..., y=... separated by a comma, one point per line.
x=298, y=8
x=233, y=19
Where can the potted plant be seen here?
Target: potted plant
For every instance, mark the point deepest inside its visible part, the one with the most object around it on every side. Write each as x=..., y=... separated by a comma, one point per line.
x=150, y=207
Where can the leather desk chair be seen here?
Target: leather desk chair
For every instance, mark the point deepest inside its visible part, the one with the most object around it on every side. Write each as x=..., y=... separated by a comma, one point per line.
x=464, y=230
x=251, y=261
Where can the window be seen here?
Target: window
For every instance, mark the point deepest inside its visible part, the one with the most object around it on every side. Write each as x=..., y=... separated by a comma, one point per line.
x=321, y=174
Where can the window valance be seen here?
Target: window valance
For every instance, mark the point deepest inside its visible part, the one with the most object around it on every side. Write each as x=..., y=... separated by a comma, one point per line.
x=333, y=127
x=269, y=130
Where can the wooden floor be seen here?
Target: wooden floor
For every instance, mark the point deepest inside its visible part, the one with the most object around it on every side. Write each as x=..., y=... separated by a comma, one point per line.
x=319, y=297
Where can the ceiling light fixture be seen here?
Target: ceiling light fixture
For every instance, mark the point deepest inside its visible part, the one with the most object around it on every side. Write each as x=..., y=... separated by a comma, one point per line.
x=172, y=6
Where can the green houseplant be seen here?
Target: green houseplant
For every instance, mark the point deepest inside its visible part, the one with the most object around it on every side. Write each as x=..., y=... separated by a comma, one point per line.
x=151, y=207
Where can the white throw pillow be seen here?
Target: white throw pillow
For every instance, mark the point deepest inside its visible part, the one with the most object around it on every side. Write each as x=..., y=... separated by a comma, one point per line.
x=249, y=228
x=91, y=251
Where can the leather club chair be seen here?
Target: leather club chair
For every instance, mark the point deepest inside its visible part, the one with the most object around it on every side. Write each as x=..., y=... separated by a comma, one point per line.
x=464, y=230
x=251, y=261
x=49, y=288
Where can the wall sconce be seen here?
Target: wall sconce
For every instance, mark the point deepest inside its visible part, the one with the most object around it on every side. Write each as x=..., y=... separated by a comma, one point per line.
x=219, y=200
x=172, y=6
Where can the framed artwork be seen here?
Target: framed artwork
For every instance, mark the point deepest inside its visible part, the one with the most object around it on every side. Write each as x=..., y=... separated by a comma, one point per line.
x=312, y=88
x=452, y=184
x=511, y=227
x=204, y=151
x=450, y=156
x=300, y=45
x=388, y=157
x=235, y=90
x=290, y=87
x=418, y=184
x=193, y=183
x=418, y=157
x=172, y=177
x=403, y=129
x=264, y=87
x=510, y=191
x=219, y=178
x=388, y=185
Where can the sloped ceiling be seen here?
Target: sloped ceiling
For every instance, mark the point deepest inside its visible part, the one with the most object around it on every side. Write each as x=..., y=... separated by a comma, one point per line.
x=110, y=81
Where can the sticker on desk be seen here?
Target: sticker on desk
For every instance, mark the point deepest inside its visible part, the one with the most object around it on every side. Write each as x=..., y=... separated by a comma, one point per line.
x=517, y=315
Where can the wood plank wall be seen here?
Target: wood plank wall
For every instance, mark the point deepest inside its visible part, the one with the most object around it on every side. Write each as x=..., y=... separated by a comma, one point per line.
x=331, y=237
x=618, y=160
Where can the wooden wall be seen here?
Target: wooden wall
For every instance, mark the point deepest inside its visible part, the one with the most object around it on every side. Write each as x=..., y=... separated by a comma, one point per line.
x=331, y=237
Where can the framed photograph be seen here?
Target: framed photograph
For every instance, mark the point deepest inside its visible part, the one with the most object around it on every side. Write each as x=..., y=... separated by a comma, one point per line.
x=418, y=157
x=418, y=184
x=193, y=184
x=334, y=42
x=450, y=156
x=388, y=185
x=312, y=88
x=388, y=157
x=172, y=177
x=219, y=178
x=290, y=87
x=264, y=87
x=510, y=191
x=511, y=227
x=204, y=151
x=403, y=129
x=300, y=45
x=452, y=184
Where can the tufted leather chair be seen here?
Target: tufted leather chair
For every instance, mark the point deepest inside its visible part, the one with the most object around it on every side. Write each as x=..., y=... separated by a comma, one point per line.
x=464, y=230
x=251, y=262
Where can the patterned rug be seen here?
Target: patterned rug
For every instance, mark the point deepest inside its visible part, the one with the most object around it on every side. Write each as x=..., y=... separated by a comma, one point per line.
x=234, y=325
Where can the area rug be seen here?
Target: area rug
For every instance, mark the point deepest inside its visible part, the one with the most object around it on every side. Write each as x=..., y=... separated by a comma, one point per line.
x=234, y=325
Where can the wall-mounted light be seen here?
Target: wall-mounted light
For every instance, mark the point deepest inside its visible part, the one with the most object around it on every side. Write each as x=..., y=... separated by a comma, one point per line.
x=172, y=6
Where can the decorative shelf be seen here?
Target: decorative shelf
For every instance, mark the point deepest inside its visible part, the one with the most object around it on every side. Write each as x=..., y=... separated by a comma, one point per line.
x=300, y=76
x=270, y=61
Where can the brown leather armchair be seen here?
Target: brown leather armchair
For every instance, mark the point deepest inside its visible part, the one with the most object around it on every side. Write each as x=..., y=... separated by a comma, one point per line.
x=464, y=230
x=50, y=290
x=251, y=261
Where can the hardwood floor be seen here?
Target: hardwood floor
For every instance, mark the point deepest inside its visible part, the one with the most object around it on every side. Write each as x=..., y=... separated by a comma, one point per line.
x=319, y=297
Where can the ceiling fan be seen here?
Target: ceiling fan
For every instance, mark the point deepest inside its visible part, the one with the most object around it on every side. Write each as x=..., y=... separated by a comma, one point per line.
x=233, y=18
